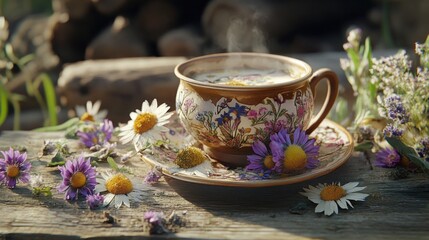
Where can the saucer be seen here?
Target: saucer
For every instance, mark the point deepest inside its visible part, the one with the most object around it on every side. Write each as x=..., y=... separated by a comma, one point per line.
x=336, y=146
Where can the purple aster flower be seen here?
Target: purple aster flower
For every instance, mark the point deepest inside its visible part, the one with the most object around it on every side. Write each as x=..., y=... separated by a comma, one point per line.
x=392, y=131
x=107, y=129
x=153, y=217
x=78, y=178
x=98, y=135
x=14, y=167
x=89, y=139
x=387, y=158
x=153, y=176
x=261, y=160
x=293, y=155
x=156, y=222
x=94, y=201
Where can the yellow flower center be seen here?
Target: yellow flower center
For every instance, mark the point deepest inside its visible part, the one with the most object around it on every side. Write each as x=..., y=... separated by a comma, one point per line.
x=87, y=117
x=295, y=158
x=190, y=157
x=234, y=82
x=119, y=184
x=144, y=122
x=268, y=162
x=78, y=180
x=12, y=171
x=332, y=193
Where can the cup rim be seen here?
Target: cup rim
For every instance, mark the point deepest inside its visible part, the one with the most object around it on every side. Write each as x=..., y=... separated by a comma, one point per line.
x=294, y=61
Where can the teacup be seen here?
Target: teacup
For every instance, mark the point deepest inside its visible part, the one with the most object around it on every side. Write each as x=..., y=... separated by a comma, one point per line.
x=226, y=101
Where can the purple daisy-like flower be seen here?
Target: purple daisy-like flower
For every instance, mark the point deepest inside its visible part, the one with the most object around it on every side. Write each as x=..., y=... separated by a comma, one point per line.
x=153, y=217
x=94, y=201
x=387, y=158
x=156, y=222
x=261, y=160
x=152, y=176
x=14, y=167
x=295, y=155
x=88, y=139
x=107, y=129
x=98, y=135
x=78, y=178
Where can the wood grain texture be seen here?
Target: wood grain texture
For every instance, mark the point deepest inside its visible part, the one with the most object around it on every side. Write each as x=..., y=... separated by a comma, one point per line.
x=395, y=209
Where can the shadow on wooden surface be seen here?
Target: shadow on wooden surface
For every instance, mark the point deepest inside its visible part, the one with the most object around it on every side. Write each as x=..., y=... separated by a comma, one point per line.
x=209, y=196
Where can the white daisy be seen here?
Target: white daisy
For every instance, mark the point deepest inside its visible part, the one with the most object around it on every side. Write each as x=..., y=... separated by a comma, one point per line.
x=92, y=112
x=119, y=189
x=192, y=161
x=329, y=196
x=146, y=124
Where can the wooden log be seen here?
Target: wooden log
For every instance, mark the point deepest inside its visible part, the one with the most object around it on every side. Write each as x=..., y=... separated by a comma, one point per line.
x=121, y=84
x=155, y=18
x=75, y=9
x=185, y=41
x=117, y=41
x=109, y=7
x=402, y=16
x=70, y=37
x=237, y=24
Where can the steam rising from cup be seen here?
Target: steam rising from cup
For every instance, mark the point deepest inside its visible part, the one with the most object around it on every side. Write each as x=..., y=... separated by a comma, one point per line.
x=245, y=35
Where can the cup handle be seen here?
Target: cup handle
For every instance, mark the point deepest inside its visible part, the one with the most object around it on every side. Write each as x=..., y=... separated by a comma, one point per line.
x=331, y=95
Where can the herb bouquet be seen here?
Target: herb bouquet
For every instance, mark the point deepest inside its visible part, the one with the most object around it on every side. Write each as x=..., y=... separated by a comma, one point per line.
x=391, y=99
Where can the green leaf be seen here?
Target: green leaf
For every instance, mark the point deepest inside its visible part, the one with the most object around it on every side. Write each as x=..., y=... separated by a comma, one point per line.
x=26, y=59
x=364, y=146
x=57, y=160
x=408, y=152
x=51, y=100
x=3, y=105
x=368, y=52
x=10, y=54
x=69, y=123
x=354, y=57
x=112, y=164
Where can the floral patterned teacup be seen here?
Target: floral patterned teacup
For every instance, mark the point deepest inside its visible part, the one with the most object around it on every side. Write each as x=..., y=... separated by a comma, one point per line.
x=226, y=101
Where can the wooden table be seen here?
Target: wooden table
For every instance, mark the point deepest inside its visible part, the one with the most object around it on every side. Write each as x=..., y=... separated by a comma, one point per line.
x=395, y=209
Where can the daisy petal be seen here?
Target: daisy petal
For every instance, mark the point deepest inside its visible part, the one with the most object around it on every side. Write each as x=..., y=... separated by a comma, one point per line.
x=350, y=185
x=356, y=189
x=126, y=201
x=329, y=209
x=357, y=196
x=118, y=200
x=320, y=207
x=108, y=199
x=342, y=203
x=334, y=206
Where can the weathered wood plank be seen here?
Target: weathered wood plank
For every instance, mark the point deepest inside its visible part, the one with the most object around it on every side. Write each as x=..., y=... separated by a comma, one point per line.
x=394, y=209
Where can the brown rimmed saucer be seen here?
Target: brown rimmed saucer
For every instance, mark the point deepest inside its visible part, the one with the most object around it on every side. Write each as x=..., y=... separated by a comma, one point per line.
x=336, y=146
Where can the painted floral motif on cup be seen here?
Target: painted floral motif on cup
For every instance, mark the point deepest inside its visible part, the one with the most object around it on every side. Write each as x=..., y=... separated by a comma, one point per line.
x=234, y=124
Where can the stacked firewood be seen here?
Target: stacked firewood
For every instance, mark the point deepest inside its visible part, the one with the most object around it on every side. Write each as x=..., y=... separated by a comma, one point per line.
x=99, y=29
